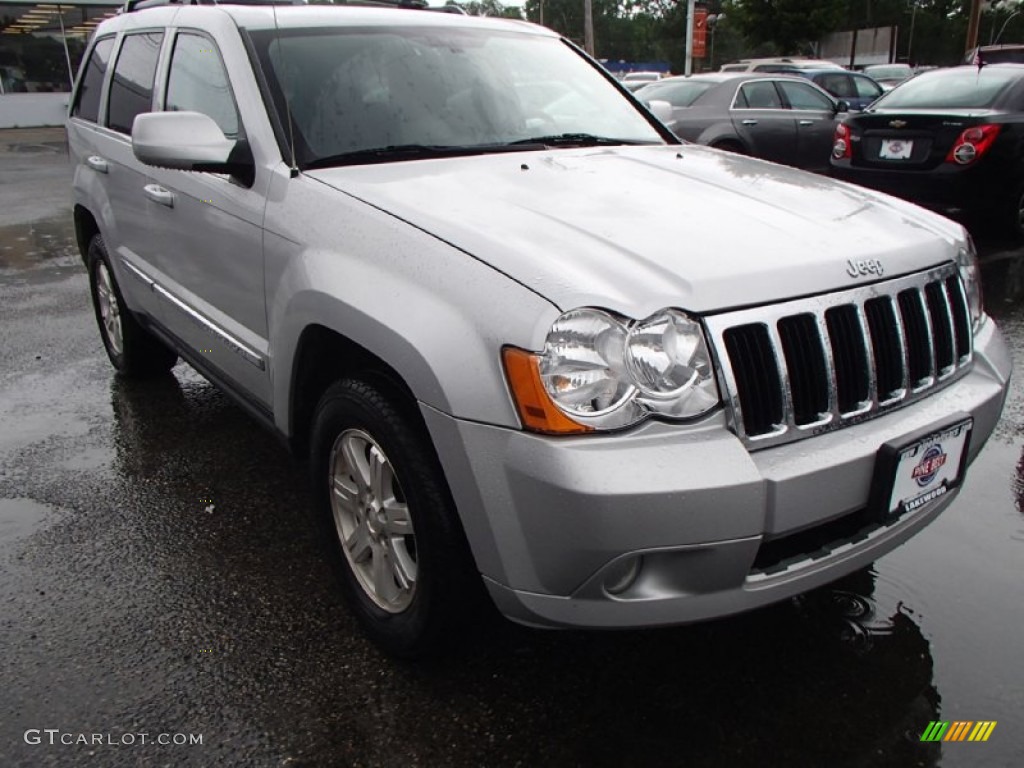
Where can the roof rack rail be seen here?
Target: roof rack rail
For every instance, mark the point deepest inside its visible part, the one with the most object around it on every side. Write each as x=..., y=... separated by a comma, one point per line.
x=450, y=7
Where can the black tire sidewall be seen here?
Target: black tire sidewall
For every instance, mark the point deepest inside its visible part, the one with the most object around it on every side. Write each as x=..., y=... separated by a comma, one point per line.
x=441, y=580
x=142, y=354
x=98, y=257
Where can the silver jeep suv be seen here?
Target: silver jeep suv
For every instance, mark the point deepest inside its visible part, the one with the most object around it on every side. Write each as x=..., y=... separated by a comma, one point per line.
x=534, y=348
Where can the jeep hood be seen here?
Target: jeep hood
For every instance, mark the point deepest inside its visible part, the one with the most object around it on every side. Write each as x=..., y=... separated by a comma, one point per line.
x=635, y=229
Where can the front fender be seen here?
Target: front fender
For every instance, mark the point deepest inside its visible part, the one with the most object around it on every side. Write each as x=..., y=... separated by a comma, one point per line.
x=436, y=315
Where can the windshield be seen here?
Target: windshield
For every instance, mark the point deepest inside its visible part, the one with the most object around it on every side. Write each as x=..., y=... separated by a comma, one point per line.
x=889, y=72
x=677, y=94
x=373, y=94
x=961, y=88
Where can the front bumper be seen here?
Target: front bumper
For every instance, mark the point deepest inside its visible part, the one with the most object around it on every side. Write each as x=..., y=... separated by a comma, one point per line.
x=554, y=521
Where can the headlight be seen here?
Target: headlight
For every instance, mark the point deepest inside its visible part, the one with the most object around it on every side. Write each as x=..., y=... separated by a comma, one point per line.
x=967, y=260
x=602, y=372
x=669, y=362
x=583, y=370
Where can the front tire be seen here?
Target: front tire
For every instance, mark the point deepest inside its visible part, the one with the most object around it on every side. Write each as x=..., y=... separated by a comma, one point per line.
x=388, y=520
x=132, y=350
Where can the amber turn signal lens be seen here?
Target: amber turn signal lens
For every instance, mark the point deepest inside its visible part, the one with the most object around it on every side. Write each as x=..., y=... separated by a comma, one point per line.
x=536, y=410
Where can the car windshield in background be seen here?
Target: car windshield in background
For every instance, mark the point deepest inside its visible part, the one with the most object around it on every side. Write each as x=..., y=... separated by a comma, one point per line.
x=676, y=94
x=960, y=88
x=371, y=94
x=889, y=72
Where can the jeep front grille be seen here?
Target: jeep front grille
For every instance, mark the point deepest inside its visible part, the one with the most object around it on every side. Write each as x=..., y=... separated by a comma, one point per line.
x=821, y=363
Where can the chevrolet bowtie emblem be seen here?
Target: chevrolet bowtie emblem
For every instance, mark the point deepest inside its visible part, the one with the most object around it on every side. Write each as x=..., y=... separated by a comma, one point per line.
x=897, y=123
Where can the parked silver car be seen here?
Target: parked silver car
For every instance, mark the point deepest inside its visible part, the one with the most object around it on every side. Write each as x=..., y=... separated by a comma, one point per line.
x=534, y=349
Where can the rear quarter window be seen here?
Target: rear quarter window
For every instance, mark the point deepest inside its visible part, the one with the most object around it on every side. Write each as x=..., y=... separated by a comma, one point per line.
x=87, y=100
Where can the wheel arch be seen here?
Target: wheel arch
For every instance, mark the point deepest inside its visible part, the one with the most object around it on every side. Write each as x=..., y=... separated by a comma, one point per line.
x=86, y=227
x=323, y=356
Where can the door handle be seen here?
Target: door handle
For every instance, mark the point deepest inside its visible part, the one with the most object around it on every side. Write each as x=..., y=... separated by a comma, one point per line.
x=158, y=194
x=806, y=122
x=97, y=163
x=749, y=122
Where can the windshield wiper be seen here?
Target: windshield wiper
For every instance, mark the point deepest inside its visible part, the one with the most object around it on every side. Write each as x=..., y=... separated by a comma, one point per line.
x=575, y=140
x=398, y=152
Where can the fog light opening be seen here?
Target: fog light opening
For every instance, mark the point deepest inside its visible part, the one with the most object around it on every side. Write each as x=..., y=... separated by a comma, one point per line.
x=623, y=575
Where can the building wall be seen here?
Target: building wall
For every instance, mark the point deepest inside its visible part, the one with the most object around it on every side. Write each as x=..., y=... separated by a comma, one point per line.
x=32, y=110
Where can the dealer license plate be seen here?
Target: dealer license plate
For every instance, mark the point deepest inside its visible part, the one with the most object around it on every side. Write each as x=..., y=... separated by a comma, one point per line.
x=929, y=468
x=896, y=149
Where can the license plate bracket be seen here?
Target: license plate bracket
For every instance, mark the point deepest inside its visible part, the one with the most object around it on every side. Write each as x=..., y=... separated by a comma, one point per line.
x=896, y=149
x=920, y=468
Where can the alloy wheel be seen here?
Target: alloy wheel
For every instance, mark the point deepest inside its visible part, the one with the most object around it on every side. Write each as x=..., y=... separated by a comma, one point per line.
x=372, y=521
x=110, y=311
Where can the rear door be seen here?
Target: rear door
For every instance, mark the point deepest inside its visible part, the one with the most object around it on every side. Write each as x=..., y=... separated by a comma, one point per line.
x=814, y=114
x=125, y=225
x=761, y=120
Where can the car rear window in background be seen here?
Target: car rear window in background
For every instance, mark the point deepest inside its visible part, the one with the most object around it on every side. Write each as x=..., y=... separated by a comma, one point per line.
x=676, y=94
x=87, y=104
x=961, y=88
x=131, y=92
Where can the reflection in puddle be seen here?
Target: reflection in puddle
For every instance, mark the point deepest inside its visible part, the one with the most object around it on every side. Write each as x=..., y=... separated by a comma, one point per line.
x=26, y=245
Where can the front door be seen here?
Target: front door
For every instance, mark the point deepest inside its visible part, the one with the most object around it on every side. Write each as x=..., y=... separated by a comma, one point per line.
x=209, y=234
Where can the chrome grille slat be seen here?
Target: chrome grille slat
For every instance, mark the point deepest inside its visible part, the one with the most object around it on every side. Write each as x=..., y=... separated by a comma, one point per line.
x=869, y=352
x=788, y=420
x=917, y=323
x=947, y=309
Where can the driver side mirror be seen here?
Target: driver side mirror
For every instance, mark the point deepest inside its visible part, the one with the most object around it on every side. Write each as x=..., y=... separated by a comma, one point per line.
x=190, y=141
x=842, y=106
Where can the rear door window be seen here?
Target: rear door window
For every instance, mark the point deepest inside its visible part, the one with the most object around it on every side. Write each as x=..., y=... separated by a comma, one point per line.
x=131, y=92
x=838, y=85
x=760, y=94
x=866, y=88
x=87, y=100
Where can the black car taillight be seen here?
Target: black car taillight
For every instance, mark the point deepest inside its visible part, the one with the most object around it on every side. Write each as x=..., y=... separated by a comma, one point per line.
x=841, y=149
x=972, y=144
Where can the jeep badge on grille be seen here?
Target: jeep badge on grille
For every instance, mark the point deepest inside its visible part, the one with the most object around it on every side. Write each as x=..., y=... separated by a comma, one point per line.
x=864, y=267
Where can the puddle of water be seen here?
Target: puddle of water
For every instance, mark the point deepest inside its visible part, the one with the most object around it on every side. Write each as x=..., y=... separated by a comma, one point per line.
x=20, y=518
x=27, y=245
x=43, y=147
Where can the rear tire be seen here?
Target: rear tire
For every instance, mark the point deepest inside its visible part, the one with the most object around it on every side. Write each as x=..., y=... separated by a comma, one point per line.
x=132, y=350
x=388, y=520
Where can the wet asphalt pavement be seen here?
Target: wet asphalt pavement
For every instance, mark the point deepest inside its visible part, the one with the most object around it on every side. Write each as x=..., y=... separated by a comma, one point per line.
x=159, y=575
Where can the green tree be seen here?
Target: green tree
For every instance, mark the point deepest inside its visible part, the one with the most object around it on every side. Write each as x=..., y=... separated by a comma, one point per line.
x=491, y=8
x=789, y=25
